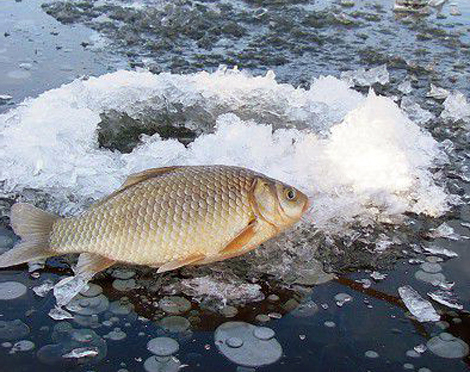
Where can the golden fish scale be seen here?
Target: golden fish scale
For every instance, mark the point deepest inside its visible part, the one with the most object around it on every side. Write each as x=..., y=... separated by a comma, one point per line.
x=192, y=210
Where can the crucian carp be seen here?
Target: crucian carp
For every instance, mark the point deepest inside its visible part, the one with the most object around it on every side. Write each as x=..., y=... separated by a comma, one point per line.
x=164, y=218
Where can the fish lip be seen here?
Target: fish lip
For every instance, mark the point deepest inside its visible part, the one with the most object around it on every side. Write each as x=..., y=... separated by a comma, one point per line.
x=306, y=206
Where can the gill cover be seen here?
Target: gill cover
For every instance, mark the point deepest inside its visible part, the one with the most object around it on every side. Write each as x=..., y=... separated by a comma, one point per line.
x=265, y=202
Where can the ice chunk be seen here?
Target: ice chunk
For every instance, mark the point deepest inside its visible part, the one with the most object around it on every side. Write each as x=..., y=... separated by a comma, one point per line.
x=367, y=78
x=436, y=3
x=366, y=283
x=418, y=306
x=411, y=6
x=72, y=345
x=445, y=298
x=415, y=112
x=405, y=87
x=444, y=231
x=454, y=9
x=434, y=249
x=207, y=287
x=342, y=298
x=378, y=276
x=5, y=97
x=68, y=288
x=36, y=265
x=81, y=352
x=456, y=107
x=57, y=313
x=23, y=345
x=43, y=289
x=437, y=92
x=371, y=354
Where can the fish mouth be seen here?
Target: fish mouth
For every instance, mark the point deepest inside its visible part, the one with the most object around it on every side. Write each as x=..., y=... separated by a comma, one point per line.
x=306, y=206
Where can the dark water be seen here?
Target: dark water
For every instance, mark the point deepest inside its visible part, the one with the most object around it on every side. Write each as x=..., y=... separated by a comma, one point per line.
x=298, y=40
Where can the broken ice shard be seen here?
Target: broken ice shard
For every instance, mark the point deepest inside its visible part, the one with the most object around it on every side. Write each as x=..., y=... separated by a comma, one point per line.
x=417, y=305
x=445, y=298
x=367, y=78
x=434, y=249
x=456, y=107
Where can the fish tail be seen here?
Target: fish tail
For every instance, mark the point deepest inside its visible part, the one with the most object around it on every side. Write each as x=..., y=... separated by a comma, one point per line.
x=34, y=227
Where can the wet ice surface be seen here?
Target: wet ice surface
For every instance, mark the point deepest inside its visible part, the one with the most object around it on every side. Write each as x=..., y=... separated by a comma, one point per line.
x=382, y=186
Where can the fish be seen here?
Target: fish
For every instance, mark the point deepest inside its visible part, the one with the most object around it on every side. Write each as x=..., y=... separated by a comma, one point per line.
x=164, y=218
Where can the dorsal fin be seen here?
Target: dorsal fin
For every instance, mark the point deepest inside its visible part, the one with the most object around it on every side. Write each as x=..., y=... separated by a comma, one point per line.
x=134, y=179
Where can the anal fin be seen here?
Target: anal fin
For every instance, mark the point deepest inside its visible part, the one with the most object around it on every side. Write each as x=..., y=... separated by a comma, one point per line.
x=172, y=265
x=90, y=263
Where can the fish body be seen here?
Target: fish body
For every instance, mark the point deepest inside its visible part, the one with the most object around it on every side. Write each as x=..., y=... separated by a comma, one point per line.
x=165, y=218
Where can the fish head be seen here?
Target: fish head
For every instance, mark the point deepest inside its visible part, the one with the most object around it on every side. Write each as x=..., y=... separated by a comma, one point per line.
x=279, y=204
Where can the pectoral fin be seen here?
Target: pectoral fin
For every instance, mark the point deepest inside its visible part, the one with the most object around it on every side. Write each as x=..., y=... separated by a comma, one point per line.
x=240, y=241
x=89, y=264
x=172, y=265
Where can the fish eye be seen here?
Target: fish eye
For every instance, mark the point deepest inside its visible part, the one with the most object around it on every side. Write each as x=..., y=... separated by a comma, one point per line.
x=290, y=194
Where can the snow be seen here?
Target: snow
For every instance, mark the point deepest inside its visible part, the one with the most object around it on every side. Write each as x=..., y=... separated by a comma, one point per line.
x=417, y=305
x=359, y=158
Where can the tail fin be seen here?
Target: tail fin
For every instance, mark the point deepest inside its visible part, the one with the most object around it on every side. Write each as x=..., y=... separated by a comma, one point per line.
x=34, y=227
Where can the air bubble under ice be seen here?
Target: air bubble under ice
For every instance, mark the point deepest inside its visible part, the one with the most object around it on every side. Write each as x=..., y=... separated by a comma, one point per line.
x=357, y=157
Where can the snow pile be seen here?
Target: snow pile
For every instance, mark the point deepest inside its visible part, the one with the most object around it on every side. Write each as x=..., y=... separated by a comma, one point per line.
x=358, y=158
